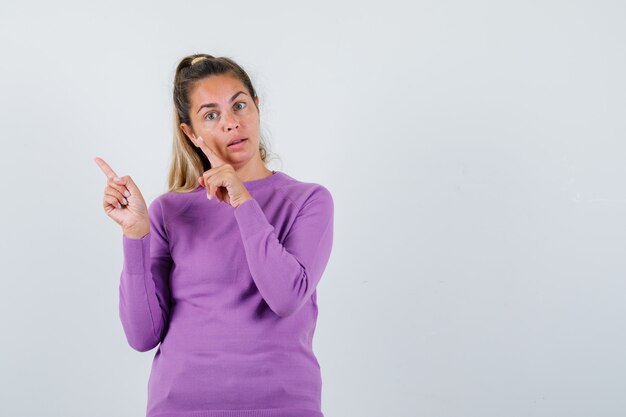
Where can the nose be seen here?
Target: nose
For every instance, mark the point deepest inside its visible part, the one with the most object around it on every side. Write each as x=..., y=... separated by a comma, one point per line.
x=230, y=122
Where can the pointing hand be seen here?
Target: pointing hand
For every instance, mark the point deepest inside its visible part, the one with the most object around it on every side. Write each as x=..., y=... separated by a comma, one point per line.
x=124, y=203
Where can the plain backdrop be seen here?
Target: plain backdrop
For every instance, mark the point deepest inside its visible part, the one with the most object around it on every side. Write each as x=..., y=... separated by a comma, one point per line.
x=475, y=152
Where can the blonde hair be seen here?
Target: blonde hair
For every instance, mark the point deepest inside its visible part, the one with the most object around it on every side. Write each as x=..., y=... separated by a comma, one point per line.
x=189, y=162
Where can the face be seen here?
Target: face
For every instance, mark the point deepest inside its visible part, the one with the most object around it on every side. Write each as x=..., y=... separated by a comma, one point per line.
x=222, y=110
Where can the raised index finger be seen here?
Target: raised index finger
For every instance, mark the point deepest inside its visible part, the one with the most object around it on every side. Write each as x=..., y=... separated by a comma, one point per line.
x=213, y=158
x=108, y=171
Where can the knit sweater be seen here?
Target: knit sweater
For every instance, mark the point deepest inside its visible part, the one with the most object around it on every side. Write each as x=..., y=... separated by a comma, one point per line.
x=229, y=296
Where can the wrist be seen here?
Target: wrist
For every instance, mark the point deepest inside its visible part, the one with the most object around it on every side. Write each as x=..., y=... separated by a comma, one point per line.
x=136, y=232
x=243, y=201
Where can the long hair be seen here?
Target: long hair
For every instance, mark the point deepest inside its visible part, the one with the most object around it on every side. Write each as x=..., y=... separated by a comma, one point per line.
x=189, y=162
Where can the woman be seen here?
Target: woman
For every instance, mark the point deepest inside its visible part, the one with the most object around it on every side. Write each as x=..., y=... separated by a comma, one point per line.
x=224, y=284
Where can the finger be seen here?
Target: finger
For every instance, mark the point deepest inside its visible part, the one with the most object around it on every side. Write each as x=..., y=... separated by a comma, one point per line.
x=213, y=192
x=127, y=181
x=108, y=171
x=206, y=186
x=208, y=182
x=111, y=175
x=201, y=181
x=117, y=186
x=215, y=160
x=115, y=194
x=112, y=202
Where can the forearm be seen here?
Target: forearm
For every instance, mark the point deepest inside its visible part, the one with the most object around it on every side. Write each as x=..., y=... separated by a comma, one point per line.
x=286, y=274
x=139, y=308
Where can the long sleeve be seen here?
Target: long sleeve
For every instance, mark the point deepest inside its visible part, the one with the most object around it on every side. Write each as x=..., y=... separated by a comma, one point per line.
x=287, y=274
x=144, y=296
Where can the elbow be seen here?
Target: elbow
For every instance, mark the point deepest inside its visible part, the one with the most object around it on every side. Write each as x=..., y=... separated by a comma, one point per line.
x=294, y=302
x=284, y=310
x=138, y=336
x=287, y=303
x=142, y=345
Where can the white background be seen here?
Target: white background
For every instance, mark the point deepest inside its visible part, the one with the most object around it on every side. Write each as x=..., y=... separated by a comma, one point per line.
x=475, y=152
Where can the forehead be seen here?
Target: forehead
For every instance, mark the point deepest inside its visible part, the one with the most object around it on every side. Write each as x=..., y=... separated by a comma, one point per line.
x=215, y=89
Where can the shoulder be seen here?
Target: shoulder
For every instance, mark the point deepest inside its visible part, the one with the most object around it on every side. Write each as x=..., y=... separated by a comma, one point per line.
x=170, y=203
x=303, y=193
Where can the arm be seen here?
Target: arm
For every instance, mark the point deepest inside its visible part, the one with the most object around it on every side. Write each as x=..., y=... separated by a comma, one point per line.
x=287, y=274
x=144, y=284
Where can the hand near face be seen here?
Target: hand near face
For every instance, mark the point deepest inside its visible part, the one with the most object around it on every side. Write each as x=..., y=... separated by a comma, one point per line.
x=222, y=180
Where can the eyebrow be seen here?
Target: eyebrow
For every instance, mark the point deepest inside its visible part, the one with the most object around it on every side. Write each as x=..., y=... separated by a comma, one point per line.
x=215, y=104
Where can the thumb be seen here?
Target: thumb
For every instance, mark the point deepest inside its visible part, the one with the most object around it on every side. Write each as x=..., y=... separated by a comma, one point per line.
x=127, y=181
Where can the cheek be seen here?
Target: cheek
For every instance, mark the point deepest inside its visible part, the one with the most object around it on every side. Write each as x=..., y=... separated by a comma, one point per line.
x=209, y=141
x=206, y=127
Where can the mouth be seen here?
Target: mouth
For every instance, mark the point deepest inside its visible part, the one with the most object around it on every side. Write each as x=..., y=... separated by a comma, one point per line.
x=236, y=142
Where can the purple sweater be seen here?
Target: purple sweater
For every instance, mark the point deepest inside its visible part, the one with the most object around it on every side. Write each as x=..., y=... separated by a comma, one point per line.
x=229, y=295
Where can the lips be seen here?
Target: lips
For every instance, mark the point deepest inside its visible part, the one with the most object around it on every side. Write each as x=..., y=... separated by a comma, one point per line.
x=236, y=140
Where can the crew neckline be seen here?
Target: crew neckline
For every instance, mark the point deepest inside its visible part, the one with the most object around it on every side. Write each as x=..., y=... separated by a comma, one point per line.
x=260, y=183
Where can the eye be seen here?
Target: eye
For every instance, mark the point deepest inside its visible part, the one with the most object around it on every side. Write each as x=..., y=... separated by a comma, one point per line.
x=208, y=114
x=241, y=102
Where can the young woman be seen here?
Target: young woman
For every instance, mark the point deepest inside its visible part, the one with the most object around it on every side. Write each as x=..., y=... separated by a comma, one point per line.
x=221, y=271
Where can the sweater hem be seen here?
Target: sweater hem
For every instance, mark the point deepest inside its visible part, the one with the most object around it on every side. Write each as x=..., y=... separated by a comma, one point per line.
x=266, y=412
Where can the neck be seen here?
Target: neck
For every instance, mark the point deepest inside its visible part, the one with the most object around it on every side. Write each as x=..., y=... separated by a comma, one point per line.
x=253, y=170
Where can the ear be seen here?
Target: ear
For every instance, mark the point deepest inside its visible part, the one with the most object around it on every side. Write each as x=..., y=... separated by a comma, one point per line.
x=256, y=100
x=189, y=132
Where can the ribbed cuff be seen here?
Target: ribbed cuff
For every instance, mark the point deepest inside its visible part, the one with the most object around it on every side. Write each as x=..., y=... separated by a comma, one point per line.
x=136, y=254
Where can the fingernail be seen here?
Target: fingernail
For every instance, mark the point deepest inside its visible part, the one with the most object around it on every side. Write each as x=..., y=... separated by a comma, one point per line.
x=117, y=179
x=126, y=193
x=124, y=201
x=118, y=205
x=208, y=196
